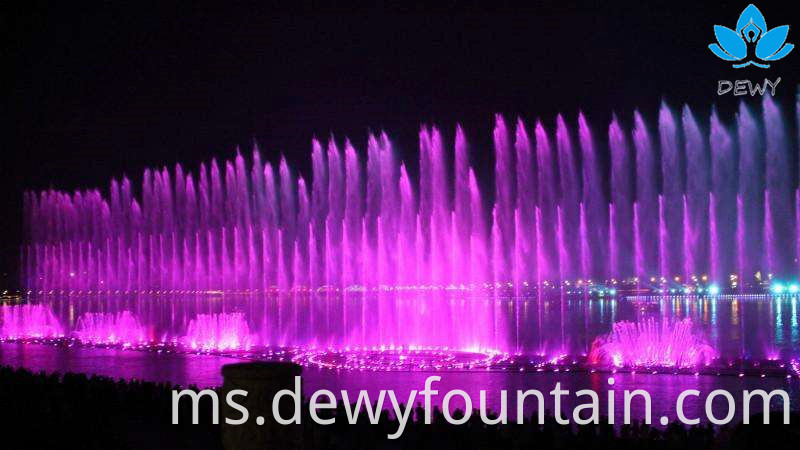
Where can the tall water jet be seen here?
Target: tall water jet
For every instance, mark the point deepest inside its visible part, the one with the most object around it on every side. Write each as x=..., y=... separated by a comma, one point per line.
x=547, y=260
x=426, y=200
x=568, y=214
x=525, y=262
x=461, y=209
x=647, y=205
x=505, y=187
x=672, y=251
x=271, y=254
x=348, y=208
x=623, y=188
x=751, y=193
x=797, y=192
x=288, y=227
x=479, y=253
x=723, y=201
x=594, y=200
x=440, y=214
x=696, y=199
x=319, y=210
x=407, y=238
x=372, y=212
x=780, y=223
x=334, y=233
x=301, y=268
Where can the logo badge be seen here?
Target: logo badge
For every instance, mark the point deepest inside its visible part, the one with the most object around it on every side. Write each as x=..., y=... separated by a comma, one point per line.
x=751, y=31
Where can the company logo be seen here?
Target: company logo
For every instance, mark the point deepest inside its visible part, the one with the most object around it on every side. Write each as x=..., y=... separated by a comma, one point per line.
x=751, y=31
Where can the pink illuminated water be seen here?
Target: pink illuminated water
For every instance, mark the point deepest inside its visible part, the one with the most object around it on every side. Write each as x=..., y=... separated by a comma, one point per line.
x=360, y=219
x=371, y=251
x=226, y=331
x=28, y=321
x=112, y=328
x=524, y=330
x=652, y=344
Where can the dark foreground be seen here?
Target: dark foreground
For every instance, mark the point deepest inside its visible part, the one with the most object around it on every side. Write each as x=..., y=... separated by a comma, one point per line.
x=75, y=411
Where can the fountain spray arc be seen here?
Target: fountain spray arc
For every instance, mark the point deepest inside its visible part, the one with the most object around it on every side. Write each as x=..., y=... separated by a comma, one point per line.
x=685, y=198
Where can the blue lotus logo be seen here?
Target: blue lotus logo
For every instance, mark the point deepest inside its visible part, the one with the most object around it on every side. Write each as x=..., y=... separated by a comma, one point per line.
x=751, y=30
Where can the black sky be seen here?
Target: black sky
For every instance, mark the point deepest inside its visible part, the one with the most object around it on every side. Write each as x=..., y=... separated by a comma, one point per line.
x=96, y=90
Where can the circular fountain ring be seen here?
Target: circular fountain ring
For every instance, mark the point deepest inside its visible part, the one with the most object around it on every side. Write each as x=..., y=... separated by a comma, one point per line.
x=398, y=359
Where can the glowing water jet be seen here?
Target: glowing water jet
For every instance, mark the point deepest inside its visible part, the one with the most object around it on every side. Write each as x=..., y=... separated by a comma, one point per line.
x=28, y=321
x=652, y=344
x=213, y=332
x=656, y=207
x=110, y=328
x=554, y=214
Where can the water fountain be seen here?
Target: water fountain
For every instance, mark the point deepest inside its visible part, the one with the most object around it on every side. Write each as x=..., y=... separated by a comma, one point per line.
x=652, y=344
x=557, y=212
x=28, y=321
x=111, y=328
x=228, y=331
x=697, y=203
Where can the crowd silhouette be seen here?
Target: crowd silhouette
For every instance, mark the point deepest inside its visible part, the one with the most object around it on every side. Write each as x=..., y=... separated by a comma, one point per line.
x=77, y=411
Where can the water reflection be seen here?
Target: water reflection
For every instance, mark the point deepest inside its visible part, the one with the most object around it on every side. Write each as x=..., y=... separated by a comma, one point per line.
x=754, y=327
x=204, y=370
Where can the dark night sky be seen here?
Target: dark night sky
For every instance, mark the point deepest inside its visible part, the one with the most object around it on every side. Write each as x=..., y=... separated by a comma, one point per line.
x=98, y=90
